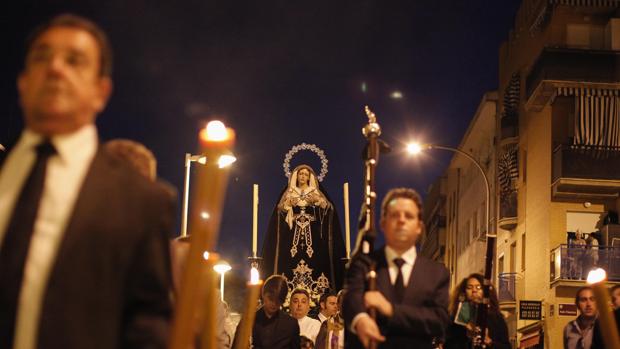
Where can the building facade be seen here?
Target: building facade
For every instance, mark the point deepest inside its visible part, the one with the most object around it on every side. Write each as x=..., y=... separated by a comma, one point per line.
x=549, y=141
x=559, y=142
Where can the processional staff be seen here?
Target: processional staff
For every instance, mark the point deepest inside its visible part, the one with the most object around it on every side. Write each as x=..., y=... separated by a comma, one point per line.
x=367, y=227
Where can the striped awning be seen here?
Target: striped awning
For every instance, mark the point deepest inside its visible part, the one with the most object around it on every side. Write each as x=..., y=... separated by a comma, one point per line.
x=512, y=94
x=587, y=3
x=585, y=91
x=508, y=167
x=597, y=117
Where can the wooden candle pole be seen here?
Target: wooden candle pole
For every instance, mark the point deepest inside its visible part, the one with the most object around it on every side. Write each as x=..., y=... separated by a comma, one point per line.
x=208, y=196
x=209, y=316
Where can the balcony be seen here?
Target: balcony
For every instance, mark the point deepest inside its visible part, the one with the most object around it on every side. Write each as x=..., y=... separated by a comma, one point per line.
x=506, y=292
x=585, y=173
x=564, y=67
x=570, y=264
x=510, y=126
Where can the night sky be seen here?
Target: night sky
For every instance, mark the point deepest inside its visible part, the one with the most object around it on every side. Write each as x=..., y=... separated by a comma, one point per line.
x=282, y=73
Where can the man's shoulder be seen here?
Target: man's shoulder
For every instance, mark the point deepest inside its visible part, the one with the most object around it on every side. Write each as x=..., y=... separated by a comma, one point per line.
x=431, y=264
x=313, y=321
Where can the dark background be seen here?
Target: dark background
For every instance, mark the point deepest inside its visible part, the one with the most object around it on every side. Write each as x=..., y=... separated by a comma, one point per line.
x=282, y=73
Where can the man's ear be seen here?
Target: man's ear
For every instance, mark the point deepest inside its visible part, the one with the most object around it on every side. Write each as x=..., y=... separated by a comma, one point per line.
x=104, y=91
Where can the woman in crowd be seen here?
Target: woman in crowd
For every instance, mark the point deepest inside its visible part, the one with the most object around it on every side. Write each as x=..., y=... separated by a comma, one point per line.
x=465, y=300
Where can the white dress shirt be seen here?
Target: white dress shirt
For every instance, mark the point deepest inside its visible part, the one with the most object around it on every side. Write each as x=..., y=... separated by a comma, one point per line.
x=309, y=327
x=65, y=174
x=409, y=257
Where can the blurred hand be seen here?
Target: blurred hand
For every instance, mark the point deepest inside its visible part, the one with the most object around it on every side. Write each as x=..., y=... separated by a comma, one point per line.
x=367, y=330
x=376, y=300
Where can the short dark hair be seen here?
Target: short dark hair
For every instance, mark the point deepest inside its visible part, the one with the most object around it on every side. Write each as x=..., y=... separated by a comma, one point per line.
x=578, y=294
x=405, y=193
x=135, y=154
x=275, y=285
x=326, y=295
x=300, y=291
x=77, y=22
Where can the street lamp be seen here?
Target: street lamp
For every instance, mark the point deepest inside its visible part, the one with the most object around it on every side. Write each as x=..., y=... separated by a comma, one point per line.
x=223, y=161
x=189, y=158
x=481, y=320
x=416, y=148
x=222, y=267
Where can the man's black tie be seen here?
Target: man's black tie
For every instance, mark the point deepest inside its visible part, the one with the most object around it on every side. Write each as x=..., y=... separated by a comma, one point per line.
x=399, y=285
x=16, y=241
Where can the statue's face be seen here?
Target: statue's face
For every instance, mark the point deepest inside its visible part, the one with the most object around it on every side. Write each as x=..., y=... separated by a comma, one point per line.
x=303, y=176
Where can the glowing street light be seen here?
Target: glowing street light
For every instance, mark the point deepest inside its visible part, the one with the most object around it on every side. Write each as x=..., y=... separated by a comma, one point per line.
x=417, y=148
x=222, y=267
x=226, y=160
x=189, y=158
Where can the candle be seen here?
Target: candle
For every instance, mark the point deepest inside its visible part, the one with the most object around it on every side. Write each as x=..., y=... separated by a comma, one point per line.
x=608, y=327
x=347, y=226
x=255, y=221
x=210, y=308
x=206, y=212
x=249, y=313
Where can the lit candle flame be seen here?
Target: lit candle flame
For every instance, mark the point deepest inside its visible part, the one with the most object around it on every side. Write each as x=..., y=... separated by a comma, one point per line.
x=205, y=255
x=596, y=275
x=254, y=276
x=216, y=131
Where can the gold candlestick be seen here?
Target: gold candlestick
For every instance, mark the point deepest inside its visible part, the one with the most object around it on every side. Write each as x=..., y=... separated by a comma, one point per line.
x=249, y=312
x=609, y=329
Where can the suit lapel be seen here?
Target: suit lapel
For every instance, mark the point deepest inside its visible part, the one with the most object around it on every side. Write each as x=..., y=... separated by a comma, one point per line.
x=86, y=204
x=383, y=276
x=416, y=278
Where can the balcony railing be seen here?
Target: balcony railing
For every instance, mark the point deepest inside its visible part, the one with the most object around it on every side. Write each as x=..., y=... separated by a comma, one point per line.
x=507, y=287
x=571, y=262
x=565, y=64
x=585, y=171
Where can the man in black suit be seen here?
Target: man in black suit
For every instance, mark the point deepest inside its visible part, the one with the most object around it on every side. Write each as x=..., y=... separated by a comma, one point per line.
x=273, y=328
x=83, y=248
x=412, y=291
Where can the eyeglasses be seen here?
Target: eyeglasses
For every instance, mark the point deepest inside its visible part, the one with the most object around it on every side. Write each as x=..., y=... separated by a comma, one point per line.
x=474, y=287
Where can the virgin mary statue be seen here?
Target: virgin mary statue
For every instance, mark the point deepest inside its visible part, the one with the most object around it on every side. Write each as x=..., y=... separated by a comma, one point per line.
x=303, y=241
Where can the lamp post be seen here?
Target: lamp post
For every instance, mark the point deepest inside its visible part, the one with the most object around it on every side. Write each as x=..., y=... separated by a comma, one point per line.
x=222, y=267
x=189, y=158
x=415, y=148
x=482, y=317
